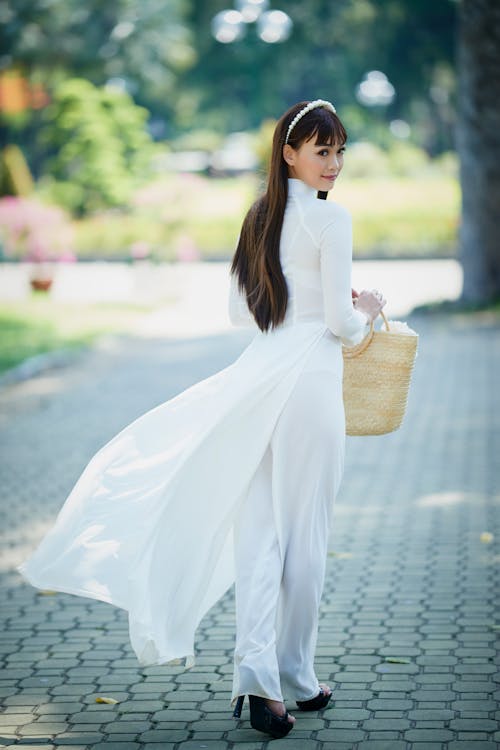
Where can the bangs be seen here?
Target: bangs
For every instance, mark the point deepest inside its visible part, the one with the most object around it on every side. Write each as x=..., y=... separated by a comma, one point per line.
x=326, y=127
x=329, y=131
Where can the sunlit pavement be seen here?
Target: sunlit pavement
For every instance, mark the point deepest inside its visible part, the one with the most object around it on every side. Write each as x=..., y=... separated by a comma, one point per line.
x=409, y=624
x=202, y=289
x=191, y=298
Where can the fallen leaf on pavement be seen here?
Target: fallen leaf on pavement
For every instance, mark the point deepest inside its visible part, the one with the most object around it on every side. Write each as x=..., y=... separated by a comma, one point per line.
x=339, y=554
x=486, y=537
x=397, y=660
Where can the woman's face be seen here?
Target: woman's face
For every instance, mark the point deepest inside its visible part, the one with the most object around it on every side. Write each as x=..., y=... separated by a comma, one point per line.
x=316, y=165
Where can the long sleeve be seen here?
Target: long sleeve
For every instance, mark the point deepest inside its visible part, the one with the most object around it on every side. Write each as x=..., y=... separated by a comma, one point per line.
x=239, y=314
x=341, y=316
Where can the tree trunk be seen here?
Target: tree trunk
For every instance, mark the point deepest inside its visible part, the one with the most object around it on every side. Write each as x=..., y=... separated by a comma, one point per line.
x=478, y=145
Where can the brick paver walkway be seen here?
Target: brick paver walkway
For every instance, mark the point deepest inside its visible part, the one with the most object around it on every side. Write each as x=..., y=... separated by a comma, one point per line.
x=411, y=574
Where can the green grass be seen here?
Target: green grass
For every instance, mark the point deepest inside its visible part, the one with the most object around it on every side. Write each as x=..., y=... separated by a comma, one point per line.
x=39, y=325
x=401, y=216
x=392, y=217
x=209, y=211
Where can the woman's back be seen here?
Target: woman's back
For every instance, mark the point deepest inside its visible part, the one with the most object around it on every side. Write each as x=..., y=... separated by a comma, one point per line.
x=304, y=218
x=316, y=258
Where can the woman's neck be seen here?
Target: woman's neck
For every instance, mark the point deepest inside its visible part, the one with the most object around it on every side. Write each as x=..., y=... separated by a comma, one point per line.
x=299, y=188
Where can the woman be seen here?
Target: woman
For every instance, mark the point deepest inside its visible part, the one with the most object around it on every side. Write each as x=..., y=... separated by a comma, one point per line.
x=234, y=478
x=292, y=266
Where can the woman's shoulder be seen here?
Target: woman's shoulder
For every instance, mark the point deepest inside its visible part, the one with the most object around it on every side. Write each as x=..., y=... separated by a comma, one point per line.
x=331, y=209
x=321, y=213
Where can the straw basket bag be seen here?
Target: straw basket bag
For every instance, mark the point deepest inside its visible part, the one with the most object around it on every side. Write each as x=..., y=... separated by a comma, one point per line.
x=377, y=374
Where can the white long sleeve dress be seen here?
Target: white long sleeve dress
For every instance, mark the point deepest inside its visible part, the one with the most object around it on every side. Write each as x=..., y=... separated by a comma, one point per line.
x=150, y=525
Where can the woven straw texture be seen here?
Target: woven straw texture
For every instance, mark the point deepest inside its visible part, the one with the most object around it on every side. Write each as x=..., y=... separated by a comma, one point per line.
x=377, y=375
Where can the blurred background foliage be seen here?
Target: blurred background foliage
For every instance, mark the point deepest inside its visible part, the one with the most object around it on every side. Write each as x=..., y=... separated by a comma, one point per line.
x=328, y=53
x=97, y=146
x=122, y=114
x=169, y=62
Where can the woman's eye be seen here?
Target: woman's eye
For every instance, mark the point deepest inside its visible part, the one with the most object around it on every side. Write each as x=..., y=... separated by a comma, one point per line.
x=324, y=152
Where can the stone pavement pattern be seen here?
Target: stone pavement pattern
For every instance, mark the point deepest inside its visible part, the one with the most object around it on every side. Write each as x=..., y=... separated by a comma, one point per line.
x=408, y=573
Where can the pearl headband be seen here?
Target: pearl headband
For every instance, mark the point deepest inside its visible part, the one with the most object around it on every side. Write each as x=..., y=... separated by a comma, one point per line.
x=311, y=105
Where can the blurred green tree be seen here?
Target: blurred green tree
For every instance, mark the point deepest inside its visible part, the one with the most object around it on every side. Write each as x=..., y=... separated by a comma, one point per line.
x=142, y=45
x=164, y=55
x=100, y=148
x=235, y=86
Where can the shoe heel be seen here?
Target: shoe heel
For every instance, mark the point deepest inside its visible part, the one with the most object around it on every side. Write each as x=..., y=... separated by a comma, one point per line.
x=264, y=720
x=238, y=707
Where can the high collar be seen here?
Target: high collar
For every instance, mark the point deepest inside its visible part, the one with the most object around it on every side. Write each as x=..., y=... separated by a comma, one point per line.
x=300, y=188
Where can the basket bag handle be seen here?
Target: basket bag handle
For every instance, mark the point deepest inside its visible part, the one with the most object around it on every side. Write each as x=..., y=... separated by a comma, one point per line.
x=354, y=351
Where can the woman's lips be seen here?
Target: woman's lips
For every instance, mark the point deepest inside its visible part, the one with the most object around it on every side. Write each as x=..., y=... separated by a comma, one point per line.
x=330, y=177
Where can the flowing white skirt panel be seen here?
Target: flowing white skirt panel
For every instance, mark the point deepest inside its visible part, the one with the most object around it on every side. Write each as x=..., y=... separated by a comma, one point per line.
x=148, y=525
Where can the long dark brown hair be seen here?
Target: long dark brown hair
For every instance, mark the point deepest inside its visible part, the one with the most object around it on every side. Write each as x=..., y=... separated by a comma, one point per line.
x=256, y=261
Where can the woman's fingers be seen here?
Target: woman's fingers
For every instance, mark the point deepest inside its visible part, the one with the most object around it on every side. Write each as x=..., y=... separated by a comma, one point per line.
x=370, y=301
x=380, y=297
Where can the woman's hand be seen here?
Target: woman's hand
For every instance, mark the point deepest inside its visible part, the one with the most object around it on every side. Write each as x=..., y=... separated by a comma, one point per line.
x=369, y=302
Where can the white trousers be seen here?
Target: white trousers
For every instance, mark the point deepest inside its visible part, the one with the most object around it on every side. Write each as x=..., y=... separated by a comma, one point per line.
x=281, y=536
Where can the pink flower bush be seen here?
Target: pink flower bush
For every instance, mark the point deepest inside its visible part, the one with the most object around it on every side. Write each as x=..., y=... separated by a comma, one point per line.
x=186, y=250
x=140, y=250
x=165, y=195
x=32, y=231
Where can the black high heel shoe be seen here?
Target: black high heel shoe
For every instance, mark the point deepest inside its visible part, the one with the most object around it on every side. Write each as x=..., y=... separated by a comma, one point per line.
x=317, y=703
x=262, y=718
